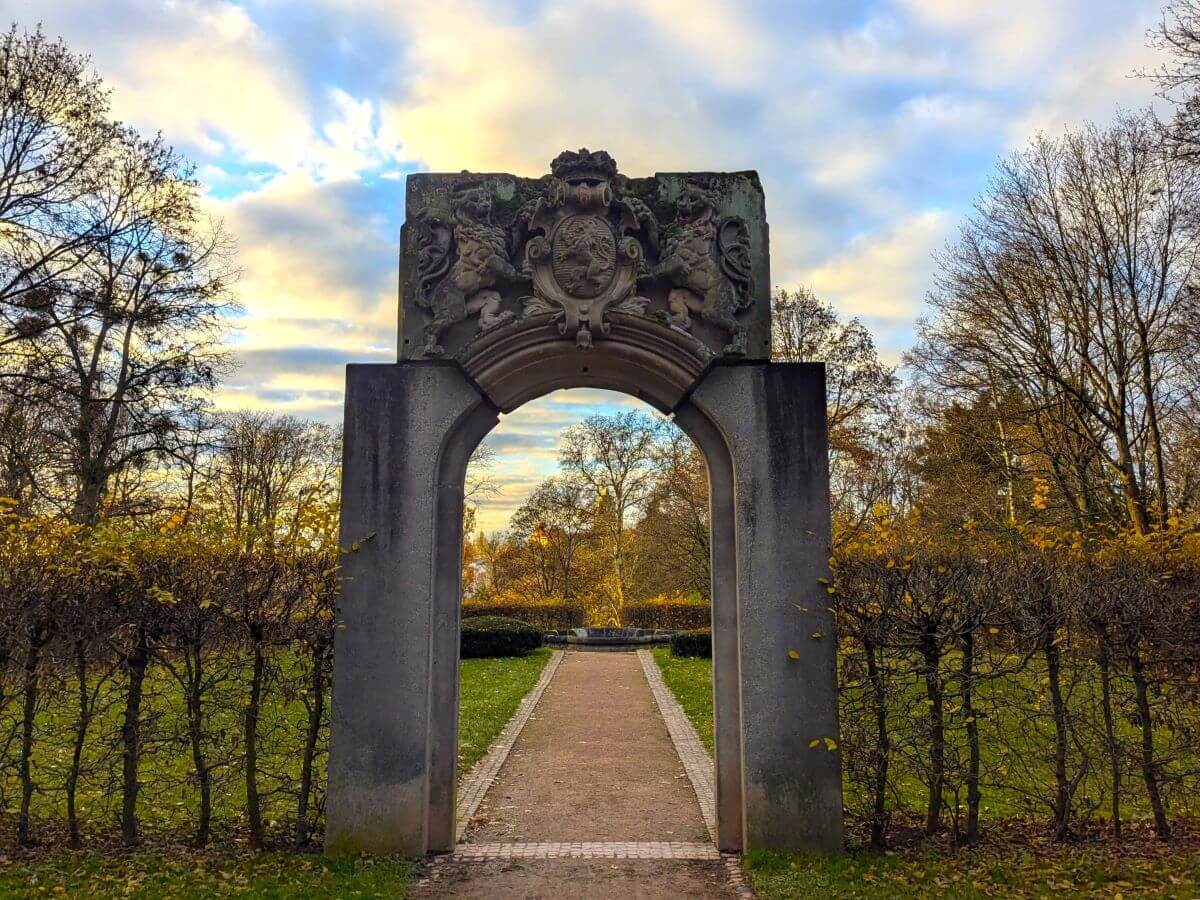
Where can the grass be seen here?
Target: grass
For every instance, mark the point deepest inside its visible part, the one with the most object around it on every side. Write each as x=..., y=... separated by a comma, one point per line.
x=183, y=875
x=987, y=871
x=491, y=690
x=1016, y=859
x=690, y=680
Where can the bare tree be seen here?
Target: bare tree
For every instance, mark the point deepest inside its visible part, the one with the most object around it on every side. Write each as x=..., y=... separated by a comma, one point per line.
x=674, y=531
x=131, y=340
x=268, y=468
x=613, y=455
x=554, y=524
x=1071, y=285
x=54, y=126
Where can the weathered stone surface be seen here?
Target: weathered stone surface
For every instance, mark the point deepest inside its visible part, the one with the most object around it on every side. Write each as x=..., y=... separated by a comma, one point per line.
x=680, y=251
x=773, y=418
x=397, y=420
x=515, y=287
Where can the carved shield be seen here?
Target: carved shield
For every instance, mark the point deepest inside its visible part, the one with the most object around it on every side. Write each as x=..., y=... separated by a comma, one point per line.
x=584, y=255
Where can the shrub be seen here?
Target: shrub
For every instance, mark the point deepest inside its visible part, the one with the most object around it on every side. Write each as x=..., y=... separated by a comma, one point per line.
x=697, y=642
x=487, y=636
x=670, y=613
x=546, y=615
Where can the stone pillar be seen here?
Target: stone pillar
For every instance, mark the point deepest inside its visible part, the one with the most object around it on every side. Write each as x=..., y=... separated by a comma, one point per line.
x=772, y=416
x=387, y=746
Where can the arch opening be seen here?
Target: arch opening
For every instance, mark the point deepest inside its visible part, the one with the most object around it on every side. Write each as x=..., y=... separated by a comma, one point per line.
x=459, y=445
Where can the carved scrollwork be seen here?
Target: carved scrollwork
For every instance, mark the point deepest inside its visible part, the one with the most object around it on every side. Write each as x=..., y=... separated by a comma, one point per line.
x=466, y=286
x=582, y=246
x=706, y=263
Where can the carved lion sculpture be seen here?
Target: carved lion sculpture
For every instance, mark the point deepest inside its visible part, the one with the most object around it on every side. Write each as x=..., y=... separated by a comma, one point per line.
x=481, y=263
x=706, y=260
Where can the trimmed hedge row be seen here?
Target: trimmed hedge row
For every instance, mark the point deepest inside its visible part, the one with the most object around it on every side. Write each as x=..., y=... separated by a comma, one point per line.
x=541, y=614
x=672, y=615
x=697, y=642
x=488, y=636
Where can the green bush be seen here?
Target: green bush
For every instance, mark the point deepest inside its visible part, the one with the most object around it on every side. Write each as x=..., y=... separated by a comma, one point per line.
x=546, y=615
x=697, y=642
x=488, y=636
x=681, y=614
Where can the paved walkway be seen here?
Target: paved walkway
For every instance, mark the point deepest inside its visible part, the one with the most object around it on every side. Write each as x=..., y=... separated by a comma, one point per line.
x=592, y=784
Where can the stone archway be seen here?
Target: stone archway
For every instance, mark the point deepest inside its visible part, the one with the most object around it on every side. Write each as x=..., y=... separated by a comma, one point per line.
x=516, y=287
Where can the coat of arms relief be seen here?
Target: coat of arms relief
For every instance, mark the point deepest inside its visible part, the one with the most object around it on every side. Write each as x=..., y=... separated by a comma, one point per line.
x=583, y=248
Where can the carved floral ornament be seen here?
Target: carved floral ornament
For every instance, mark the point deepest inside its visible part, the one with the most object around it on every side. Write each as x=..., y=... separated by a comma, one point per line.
x=581, y=250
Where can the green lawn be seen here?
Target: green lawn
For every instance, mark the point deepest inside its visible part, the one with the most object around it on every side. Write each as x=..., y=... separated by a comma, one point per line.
x=1008, y=864
x=1002, y=871
x=180, y=875
x=491, y=691
x=690, y=680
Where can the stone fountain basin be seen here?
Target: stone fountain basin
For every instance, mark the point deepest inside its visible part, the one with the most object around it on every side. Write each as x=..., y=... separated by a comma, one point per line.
x=608, y=637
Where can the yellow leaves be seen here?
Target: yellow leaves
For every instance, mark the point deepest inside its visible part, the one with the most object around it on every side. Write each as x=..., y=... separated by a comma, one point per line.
x=793, y=654
x=830, y=743
x=161, y=595
x=993, y=630
x=907, y=599
x=1041, y=493
x=817, y=635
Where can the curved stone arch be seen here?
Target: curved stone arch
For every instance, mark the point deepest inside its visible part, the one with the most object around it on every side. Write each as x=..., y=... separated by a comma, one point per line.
x=460, y=442
x=678, y=316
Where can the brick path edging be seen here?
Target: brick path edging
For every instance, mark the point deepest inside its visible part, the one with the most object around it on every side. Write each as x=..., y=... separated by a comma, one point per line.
x=586, y=850
x=696, y=761
x=475, y=785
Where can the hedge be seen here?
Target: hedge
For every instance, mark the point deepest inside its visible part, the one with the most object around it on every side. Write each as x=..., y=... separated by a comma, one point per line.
x=672, y=615
x=487, y=636
x=544, y=614
x=697, y=642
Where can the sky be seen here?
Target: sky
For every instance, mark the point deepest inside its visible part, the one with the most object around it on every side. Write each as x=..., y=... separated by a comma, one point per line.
x=873, y=123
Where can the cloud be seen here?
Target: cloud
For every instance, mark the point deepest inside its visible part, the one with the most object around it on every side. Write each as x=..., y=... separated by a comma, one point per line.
x=884, y=274
x=873, y=123
x=202, y=72
x=527, y=440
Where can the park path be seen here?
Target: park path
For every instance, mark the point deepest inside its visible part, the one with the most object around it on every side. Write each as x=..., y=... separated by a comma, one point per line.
x=593, y=777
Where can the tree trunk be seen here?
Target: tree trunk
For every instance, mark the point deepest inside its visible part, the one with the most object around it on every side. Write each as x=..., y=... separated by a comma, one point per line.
x=937, y=734
x=1110, y=734
x=37, y=635
x=1162, y=827
x=1135, y=501
x=967, y=676
x=253, y=706
x=1156, y=441
x=316, y=710
x=1062, y=787
x=195, y=714
x=82, y=723
x=135, y=665
x=883, y=749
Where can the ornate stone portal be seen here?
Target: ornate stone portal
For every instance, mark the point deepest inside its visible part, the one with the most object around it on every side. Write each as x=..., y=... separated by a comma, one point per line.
x=676, y=264
x=514, y=287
